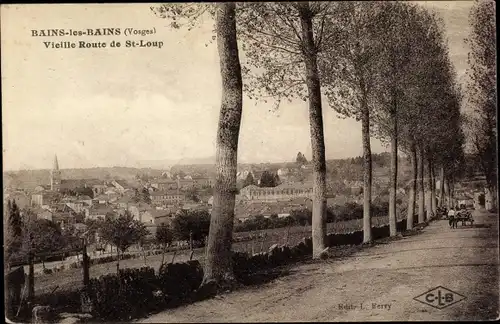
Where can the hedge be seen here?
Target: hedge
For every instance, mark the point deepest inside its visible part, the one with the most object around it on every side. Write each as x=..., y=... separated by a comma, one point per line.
x=135, y=292
x=124, y=295
x=179, y=280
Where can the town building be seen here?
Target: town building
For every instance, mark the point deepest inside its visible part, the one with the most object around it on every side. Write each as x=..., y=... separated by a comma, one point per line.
x=44, y=198
x=121, y=186
x=43, y=214
x=138, y=209
x=166, y=197
x=283, y=172
x=101, y=199
x=157, y=217
x=186, y=183
x=164, y=184
x=195, y=206
x=245, y=210
x=283, y=192
x=99, y=212
x=124, y=202
x=99, y=189
x=202, y=182
x=77, y=206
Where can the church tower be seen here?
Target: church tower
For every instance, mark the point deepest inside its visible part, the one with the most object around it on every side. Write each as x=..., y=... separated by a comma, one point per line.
x=55, y=176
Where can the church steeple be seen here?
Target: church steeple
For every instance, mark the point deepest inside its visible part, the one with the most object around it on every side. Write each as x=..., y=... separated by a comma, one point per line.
x=55, y=176
x=56, y=164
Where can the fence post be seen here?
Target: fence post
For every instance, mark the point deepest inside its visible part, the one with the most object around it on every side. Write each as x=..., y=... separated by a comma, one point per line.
x=287, y=235
x=31, y=279
x=86, y=266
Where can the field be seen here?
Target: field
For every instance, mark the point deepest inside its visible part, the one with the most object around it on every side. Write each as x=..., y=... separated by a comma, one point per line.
x=70, y=279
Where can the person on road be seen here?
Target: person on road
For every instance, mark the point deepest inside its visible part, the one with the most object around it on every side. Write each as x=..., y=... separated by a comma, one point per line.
x=451, y=217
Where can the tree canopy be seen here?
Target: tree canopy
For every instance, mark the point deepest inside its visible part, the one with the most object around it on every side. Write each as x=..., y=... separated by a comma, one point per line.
x=481, y=89
x=191, y=222
x=268, y=179
x=123, y=231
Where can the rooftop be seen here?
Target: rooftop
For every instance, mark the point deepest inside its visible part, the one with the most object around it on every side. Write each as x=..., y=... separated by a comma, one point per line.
x=100, y=209
x=165, y=192
x=160, y=213
x=163, y=180
x=122, y=183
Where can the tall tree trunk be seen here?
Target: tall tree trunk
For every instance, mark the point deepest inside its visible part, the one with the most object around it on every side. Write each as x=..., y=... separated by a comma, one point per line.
x=144, y=255
x=117, y=260
x=494, y=198
x=433, y=190
x=447, y=192
x=191, y=240
x=421, y=193
x=428, y=191
x=163, y=255
x=412, y=196
x=441, y=187
x=490, y=197
x=367, y=172
x=452, y=193
x=317, y=136
x=394, y=175
x=218, y=267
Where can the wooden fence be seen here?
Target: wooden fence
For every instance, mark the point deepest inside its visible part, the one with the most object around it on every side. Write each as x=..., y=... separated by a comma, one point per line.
x=27, y=297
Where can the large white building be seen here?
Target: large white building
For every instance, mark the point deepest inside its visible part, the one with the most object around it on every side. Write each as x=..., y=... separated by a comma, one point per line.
x=283, y=192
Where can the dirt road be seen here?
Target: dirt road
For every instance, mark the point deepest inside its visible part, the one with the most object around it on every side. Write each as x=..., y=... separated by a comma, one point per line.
x=374, y=284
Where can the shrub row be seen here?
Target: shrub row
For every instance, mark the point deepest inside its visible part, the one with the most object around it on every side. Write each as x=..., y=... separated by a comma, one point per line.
x=245, y=265
x=135, y=292
x=179, y=280
x=124, y=295
x=356, y=237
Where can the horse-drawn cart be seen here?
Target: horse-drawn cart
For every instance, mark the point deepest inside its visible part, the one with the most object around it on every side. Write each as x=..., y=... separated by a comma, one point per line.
x=465, y=217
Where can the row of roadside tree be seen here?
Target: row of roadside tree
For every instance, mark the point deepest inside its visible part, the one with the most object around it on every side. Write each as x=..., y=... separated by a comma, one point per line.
x=385, y=63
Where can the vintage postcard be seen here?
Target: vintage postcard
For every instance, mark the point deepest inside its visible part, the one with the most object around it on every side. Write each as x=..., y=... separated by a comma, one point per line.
x=250, y=162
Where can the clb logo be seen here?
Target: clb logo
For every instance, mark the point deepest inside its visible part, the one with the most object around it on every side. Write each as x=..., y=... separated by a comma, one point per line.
x=439, y=297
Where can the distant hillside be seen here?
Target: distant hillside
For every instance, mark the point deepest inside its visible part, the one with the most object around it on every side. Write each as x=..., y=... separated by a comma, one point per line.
x=29, y=179
x=349, y=169
x=167, y=164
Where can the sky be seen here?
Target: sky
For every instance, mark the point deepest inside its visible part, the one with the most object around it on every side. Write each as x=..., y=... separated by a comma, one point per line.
x=124, y=106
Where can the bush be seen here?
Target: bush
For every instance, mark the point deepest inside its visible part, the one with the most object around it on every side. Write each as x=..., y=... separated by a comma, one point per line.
x=178, y=280
x=63, y=300
x=124, y=295
x=241, y=267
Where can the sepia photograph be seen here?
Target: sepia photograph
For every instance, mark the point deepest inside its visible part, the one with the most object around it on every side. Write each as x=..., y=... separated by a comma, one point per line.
x=208, y=162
